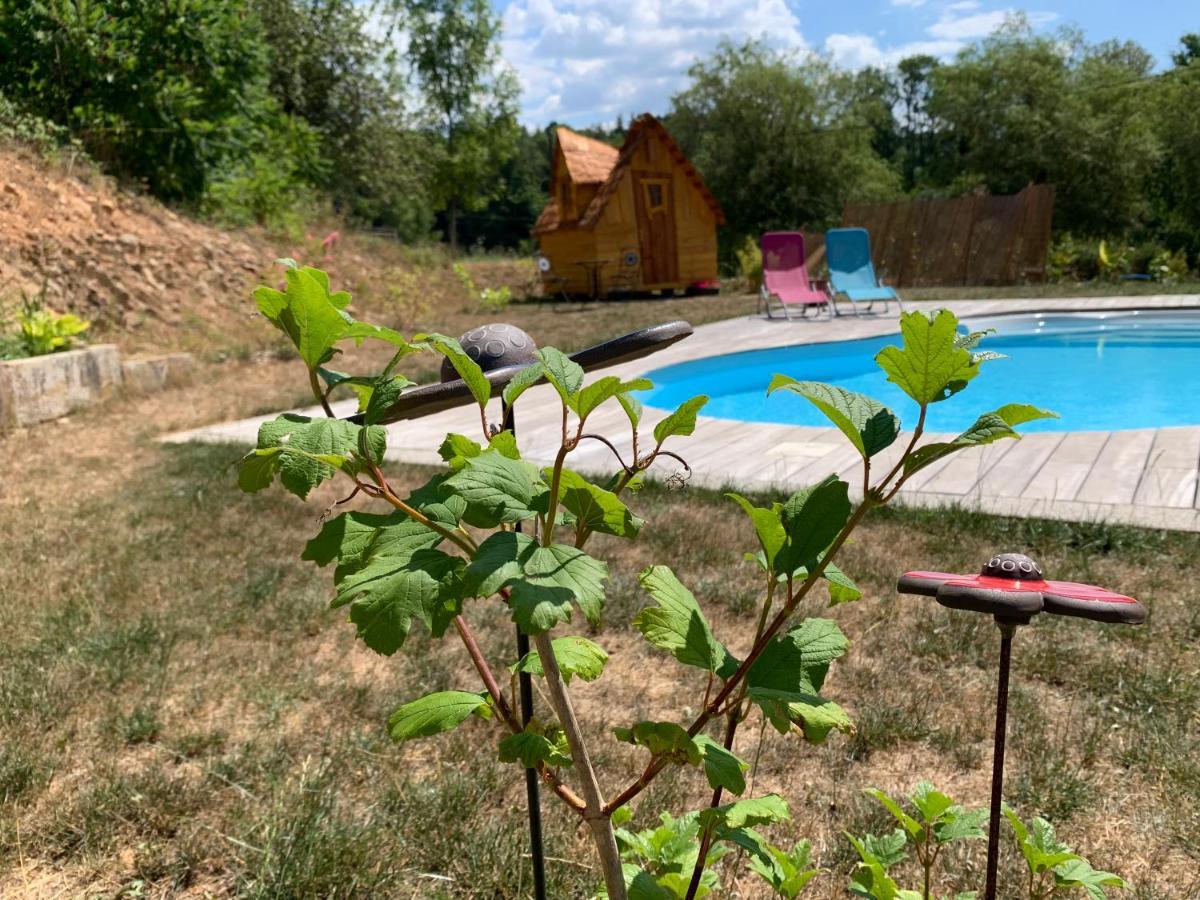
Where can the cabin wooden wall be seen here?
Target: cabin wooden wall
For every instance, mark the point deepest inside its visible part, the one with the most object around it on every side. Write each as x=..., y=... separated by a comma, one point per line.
x=695, y=226
x=564, y=248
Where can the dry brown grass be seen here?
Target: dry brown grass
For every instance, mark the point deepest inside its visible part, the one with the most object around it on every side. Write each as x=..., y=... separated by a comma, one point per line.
x=182, y=715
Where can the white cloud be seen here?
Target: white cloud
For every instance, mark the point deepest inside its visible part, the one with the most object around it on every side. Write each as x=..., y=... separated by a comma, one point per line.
x=957, y=24
x=588, y=61
x=856, y=51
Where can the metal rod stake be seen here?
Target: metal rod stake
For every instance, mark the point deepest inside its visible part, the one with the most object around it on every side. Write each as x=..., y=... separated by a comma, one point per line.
x=533, y=800
x=1007, y=629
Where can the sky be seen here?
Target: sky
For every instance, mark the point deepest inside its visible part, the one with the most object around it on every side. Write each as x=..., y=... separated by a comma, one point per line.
x=584, y=62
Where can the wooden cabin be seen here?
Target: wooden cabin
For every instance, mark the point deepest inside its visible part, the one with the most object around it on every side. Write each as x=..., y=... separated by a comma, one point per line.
x=628, y=220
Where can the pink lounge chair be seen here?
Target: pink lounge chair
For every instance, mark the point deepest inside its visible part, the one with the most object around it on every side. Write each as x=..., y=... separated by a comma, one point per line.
x=785, y=277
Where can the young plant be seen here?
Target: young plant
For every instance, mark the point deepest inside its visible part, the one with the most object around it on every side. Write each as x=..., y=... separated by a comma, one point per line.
x=1054, y=869
x=449, y=553
x=43, y=331
x=939, y=821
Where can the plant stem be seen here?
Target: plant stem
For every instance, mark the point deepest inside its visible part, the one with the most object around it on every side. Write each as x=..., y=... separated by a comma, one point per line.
x=485, y=672
x=315, y=384
x=595, y=812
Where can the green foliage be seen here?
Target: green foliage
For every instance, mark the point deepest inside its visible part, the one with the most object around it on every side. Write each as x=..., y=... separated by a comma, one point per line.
x=677, y=624
x=575, y=656
x=745, y=98
x=420, y=561
x=939, y=821
x=469, y=99
x=435, y=713
x=1056, y=870
x=43, y=331
x=866, y=423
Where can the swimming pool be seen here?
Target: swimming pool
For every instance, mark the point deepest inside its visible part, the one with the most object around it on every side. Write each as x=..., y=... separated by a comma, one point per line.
x=1100, y=371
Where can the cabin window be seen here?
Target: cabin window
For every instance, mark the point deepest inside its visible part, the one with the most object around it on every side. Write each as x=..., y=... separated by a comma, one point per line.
x=564, y=200
x=655, y=194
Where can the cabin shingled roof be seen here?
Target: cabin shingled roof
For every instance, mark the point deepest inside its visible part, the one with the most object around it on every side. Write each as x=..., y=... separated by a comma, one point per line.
x=587, y=156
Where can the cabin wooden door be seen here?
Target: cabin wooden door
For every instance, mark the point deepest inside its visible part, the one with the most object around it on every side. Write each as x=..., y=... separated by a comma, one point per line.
x=655, y=206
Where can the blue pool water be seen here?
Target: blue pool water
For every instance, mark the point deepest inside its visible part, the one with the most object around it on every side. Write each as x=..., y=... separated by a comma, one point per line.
x=1099, y=371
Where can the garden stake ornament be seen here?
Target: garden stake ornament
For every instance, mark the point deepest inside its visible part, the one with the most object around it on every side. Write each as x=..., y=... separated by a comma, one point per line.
x=502, y=351
x=1012, y=588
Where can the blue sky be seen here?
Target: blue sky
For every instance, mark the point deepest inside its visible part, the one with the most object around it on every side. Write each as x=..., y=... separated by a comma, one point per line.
x=586, y=61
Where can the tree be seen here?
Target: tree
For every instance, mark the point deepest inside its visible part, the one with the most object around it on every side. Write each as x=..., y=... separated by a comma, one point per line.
x=1177, y=124
x=469, y=98
x=171, y=94
x=778, y=140
x=329, y=67
x=1023, y=108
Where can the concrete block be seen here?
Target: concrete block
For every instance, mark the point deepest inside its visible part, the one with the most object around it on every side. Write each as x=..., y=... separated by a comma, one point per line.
x=147, y=374
x=47, y=387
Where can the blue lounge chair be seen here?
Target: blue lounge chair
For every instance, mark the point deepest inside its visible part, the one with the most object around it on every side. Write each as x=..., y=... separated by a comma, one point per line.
x=851, y=274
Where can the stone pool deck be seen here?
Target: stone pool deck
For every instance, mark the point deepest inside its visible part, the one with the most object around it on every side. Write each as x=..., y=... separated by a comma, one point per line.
x=1145, y=477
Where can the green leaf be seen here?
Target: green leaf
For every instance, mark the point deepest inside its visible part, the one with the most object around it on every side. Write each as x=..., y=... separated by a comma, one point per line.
x=1038, y=843
x=564, y=374
x=842, y=588
x=258, y=469
x=1079, y=873
x=798, y=661
x=677, y=625
x=603, y=389
x=547, y=579
x=595, y=508
x=529, y=748
x=930, y=366
x=306, y=313
x=930, y=802
x=721, y=767
x=354, y=537
x=868, y=424
x=435, y=713
x=361, y=331
x=537, y=608
x=384, y=393
x=682, y=422
x=768, y=526
x=747, y=813
x=889, y=848
x=914, y=828
x=812, y=714
x=812, y=518
x=497, y=489
x=523, y=381
x=386, y=593
x=787, y=872
x=468, y=370
x=456, y=449
x=575, y=656
x=309, y=452
x=988, y=428
x=665, y=739
x=632, y=406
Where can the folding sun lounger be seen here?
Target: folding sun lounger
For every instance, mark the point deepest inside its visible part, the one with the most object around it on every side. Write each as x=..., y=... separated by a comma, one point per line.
x=851, y=274
x=785, y=276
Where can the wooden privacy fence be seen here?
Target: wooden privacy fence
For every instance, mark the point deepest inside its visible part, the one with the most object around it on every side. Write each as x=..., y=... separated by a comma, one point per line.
x=976, y=239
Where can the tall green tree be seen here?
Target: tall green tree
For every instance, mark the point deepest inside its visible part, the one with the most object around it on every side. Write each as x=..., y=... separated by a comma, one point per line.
x=329, y=66
x=1176, y=99
x=1024, y=108
x=470, y=99
x=779, y=140
x=173, y=95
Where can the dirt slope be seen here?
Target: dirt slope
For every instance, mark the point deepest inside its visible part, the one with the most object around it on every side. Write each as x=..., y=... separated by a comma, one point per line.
x=126, y=262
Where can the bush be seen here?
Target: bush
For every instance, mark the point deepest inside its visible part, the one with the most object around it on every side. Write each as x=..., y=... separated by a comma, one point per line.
x=749, y=261
x=1168, y=267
